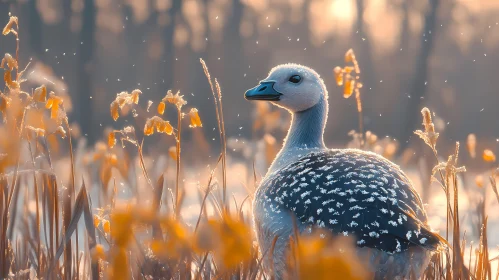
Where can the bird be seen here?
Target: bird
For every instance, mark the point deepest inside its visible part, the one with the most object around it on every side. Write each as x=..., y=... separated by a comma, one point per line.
x=349, y=192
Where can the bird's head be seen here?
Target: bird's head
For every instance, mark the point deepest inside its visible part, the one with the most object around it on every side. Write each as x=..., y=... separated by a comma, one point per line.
x=291, y=86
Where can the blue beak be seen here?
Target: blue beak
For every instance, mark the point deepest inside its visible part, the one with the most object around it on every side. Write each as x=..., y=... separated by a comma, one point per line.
x=264, y=91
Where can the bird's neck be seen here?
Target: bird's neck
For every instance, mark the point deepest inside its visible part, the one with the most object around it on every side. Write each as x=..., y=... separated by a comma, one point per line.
x=306, y=133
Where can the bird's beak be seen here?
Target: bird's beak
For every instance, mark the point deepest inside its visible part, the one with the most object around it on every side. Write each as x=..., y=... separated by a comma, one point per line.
x=264, y=91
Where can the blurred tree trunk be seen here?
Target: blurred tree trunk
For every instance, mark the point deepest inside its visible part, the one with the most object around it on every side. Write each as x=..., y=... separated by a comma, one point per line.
x=83, y=104
x=35, y=31
x=418, y=90
x=232, y=36
x=167, y=67
x=365, y=50
x=406, y=31
x=135, y=35
x=234, y=59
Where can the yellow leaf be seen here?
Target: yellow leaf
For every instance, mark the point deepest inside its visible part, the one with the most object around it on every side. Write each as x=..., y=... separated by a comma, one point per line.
x=228, y=238
x=98, y=253
x=114, y=110
x=8, y=28
x=488, y=156
x=106, y=226
x=54, y=109
x=40, y=94
x=315, y=257
x=49, y=103
x=338, y=75
x=349, y=88
x=111, y=140
x=148, y=129
x=96, y=220
x=168, y=128
x=9, y=61
x=161, y=108
x=195, y=119
x=121, y=231
x=135, y=95
x=159, y=124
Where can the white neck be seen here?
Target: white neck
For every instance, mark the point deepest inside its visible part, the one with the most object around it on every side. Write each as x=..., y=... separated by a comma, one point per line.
x=305, y=134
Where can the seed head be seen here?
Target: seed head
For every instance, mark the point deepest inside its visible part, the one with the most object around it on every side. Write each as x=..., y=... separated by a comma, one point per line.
x=428, y=135
x=177, y=99
x=427, y=121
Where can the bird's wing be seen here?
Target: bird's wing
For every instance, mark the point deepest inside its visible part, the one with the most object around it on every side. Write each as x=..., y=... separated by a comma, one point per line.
x=354, y=193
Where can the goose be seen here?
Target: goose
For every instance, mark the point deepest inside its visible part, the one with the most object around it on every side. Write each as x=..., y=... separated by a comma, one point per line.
x=349, y=192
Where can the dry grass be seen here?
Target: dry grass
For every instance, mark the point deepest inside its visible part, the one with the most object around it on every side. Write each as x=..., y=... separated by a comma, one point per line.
x=50, y=229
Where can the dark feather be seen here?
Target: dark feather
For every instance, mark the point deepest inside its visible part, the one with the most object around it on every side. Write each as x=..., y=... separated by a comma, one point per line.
x=351, y=192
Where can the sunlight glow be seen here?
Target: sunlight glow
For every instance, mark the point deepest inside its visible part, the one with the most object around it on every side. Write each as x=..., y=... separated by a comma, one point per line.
x=342, y=10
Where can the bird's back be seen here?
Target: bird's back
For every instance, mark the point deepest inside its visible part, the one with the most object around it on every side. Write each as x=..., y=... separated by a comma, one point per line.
x=349, y=192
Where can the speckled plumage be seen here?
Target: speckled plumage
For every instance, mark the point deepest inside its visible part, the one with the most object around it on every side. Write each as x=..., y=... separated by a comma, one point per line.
x=350, y=192
x=346, y=191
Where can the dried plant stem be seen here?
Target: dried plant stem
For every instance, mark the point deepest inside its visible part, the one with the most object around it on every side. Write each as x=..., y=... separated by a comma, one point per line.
x=37, y=212
x=177, y=182
x=198, y=274
x=224, y=146
x=221, y=128
x=349, y=77
x=5, y=236
x=447, y=195
x=17, y=51
x=208, y=191
x=67, y=205
x=361, y=126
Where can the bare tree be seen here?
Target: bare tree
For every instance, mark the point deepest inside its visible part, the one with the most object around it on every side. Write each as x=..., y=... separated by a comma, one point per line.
x=169, y=54
x=365, y=45
x=35, y=33
x=418, y=89
x=84, y=84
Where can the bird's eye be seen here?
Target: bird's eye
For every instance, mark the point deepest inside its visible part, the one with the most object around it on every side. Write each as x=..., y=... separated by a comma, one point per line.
x=295, y=79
